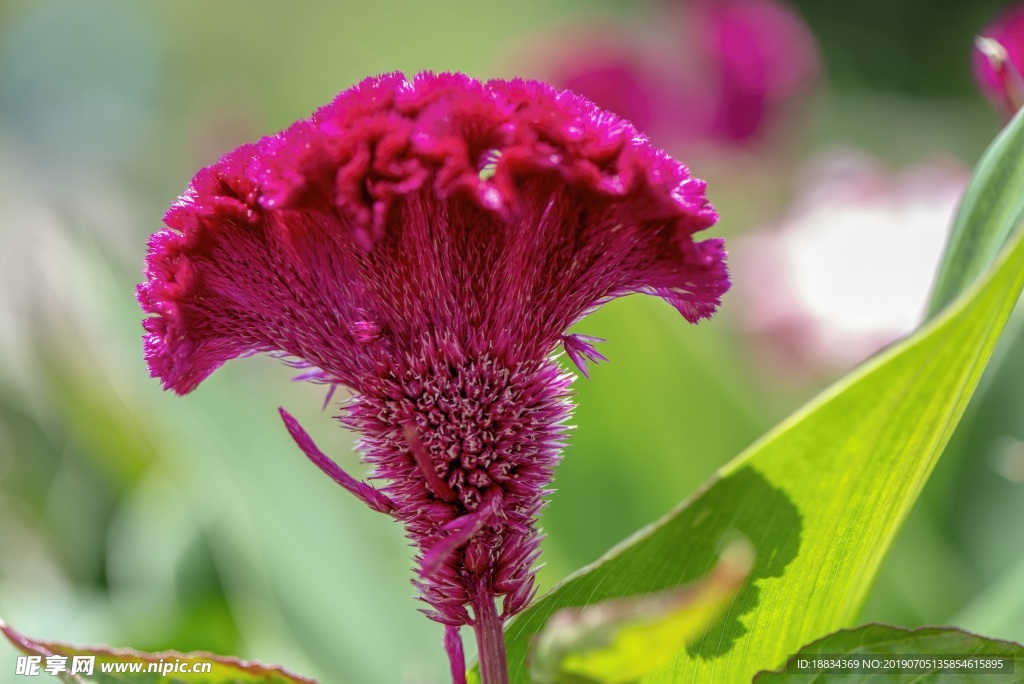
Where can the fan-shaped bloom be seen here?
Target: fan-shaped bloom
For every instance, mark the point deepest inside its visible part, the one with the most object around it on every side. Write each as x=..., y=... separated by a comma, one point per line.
x=427, y=244
x=998, y=58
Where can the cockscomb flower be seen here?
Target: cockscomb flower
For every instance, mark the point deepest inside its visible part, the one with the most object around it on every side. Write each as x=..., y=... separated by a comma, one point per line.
x=998, y=59
x=427, y=244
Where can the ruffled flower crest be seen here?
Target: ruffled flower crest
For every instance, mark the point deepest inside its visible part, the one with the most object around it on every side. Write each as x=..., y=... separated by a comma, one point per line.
x=494, y=211
x=427, y=243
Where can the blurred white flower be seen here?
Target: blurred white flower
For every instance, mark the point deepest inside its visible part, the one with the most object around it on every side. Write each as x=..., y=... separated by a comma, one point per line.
x=851, y=266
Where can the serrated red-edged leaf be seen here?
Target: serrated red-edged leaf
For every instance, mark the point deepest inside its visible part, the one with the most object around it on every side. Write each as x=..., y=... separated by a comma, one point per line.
x=127, y=666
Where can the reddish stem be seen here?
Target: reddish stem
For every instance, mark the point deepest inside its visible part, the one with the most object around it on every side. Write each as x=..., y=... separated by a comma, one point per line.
x=453, y=646
x=490, y=639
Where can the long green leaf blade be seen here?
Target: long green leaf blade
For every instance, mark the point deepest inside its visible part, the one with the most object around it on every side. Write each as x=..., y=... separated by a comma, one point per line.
x=992, y=206
x=821, y=499
x=620, y=641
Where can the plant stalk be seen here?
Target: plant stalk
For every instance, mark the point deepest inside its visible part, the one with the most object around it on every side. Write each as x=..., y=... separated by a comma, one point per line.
x=490, y=640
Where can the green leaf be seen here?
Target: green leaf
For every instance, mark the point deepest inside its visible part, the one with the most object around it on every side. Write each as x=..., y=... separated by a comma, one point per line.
x=618, y=641
x=821, y=498
x=132, y=667
x=902, y=656
x=992, y=206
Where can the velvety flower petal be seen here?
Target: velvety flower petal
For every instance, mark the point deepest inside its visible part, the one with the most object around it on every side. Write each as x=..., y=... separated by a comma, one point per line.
x=580, y=349
x=345, y=237
x=427, y=243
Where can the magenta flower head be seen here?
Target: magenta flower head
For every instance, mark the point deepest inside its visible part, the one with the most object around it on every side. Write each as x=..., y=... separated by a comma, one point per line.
x=427, y=244
x=998, y=59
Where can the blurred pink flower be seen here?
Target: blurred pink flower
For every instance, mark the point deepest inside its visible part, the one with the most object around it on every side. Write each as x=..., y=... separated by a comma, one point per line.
x=998, y=59
x=610, y=72
x=762, y=54
x=850, y=268
x=727, y=72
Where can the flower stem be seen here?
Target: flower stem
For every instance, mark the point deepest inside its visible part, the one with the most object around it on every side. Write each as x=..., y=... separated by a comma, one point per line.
x=453, y=646
x=490, y=639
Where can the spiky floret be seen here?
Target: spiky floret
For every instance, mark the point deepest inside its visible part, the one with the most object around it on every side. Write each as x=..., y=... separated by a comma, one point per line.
x=467, y=442
x=427, y=244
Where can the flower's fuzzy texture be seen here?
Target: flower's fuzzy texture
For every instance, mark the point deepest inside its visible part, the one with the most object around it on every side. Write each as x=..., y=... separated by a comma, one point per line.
x=427, y=243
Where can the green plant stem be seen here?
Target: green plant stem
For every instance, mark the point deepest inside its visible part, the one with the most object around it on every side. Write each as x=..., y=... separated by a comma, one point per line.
x=490, y=639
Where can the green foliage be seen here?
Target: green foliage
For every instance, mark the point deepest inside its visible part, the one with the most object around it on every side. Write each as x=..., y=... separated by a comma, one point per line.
x=822, y=496
x=223, y=670
x=619, y=641
x=883, y=642
x=991, y=208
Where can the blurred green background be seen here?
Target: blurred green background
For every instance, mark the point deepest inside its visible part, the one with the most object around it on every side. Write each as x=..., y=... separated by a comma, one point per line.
x=135, y=517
